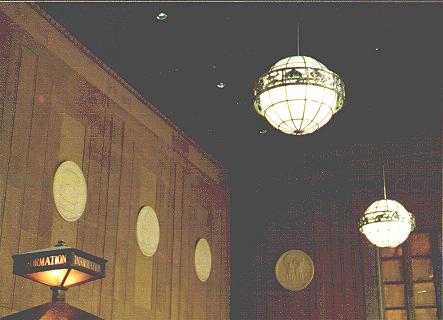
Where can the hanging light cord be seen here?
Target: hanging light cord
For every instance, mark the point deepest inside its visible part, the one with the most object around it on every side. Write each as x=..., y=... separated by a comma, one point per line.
x=384, y=181
x=298, y=38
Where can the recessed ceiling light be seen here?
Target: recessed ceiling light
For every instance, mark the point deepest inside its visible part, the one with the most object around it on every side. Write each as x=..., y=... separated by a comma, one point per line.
x=221, y=85
x=162, y=16
x=263, y=131
x=376, y=49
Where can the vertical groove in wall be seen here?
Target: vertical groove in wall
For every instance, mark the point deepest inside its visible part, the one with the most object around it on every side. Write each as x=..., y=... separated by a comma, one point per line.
x=118, y=216
x=12, y=69
x=104, y=209
x=157, y=258
x=168, y=203
x=47, y=207
x=108, y=178
x=182, y=209
x=209, y=236
x=85, y=168
x=173, y=185
x=45, y=162
x=84, y=293
x=218, y=285
x=5, y=56
x=131, y=210
x=160, y=261
x=96, y=285
x=7, y=138
x=28, y=148
x=222, y=262
x=134, y=207
x=124, y=223
x=16, y=179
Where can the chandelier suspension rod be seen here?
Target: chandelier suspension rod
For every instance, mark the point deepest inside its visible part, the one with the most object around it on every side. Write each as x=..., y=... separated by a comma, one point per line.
x=298, y=38
x=384, y=180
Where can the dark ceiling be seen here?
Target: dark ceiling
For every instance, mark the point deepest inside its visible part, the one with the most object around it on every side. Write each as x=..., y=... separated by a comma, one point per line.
x=389, y=56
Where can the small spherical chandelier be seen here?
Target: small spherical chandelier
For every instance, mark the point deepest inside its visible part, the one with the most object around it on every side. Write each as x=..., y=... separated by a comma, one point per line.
x=298, y=95
x=386, y=223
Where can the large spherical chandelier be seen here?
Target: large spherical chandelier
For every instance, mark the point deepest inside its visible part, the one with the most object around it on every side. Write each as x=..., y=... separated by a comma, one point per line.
x=298, y=95
x=386, y=223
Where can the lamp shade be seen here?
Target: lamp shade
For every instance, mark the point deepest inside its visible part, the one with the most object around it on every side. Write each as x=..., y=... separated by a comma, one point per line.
x=59, y=266
x=298, y=95
x=386, y=223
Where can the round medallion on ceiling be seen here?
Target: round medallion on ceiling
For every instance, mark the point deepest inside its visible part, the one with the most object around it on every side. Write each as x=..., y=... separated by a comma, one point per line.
x=148, y=231
x=202, y=259
x=294, y=270
x=70, y=191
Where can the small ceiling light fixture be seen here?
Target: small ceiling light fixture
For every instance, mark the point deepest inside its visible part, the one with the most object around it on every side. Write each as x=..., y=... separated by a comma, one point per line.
x=221, y=85
x=162, y=16
x=298, y=95
x=386, y=223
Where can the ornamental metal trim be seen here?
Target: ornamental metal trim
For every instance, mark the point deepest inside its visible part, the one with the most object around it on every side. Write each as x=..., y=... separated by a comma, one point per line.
x=386, y=216
x=300, y=76
x=22, y=265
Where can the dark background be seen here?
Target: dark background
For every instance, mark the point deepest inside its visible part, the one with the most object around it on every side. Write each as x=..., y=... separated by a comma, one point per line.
x=388, y=54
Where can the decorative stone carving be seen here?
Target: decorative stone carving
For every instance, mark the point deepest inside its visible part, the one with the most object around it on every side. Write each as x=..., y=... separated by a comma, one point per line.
x=203, y=259
x=148, y=231
x=294, y=270
x=70, y=191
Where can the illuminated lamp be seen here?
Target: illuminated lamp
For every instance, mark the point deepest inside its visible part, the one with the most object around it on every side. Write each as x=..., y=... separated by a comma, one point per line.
x=59, y=267
x=298, y=95
x=386, y=223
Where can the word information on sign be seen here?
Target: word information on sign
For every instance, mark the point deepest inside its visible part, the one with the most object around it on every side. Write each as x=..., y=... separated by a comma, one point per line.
x=88, y=264
x=46, y=261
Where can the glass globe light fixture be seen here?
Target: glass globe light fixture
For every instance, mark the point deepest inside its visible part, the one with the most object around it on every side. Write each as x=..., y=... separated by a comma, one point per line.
x=386, y=223
x=298, y=95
